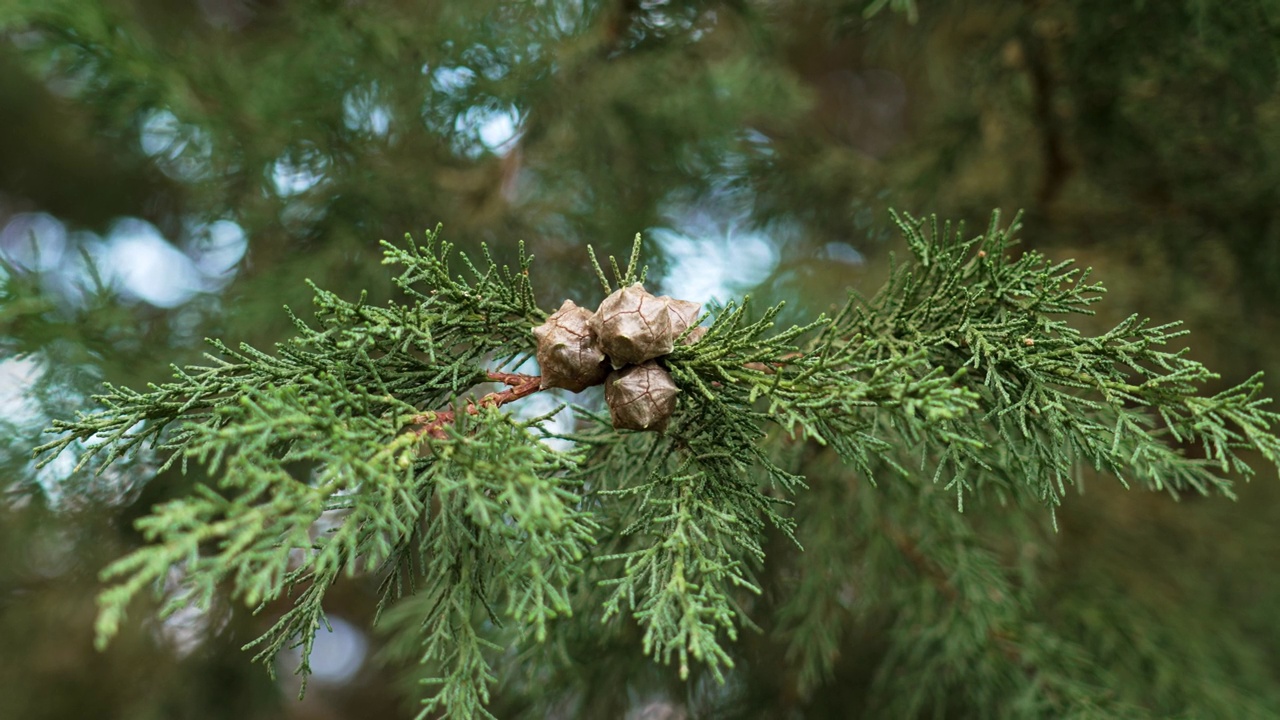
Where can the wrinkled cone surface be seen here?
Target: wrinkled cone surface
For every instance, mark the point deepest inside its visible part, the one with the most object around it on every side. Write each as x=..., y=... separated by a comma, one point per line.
x=568, y=353
x=684, y=313
x=640, y=397
x=633, y=326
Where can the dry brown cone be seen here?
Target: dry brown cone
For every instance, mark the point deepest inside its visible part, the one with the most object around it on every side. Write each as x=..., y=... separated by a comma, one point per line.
x=568, y=353
x=633, y=326
x=684, y=313
x=640, y=397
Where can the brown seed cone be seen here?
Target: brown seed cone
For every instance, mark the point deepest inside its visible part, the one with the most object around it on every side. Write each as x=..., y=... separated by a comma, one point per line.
x=683, y=314
x=640, y=397
x=568, y=353
x=633, y=326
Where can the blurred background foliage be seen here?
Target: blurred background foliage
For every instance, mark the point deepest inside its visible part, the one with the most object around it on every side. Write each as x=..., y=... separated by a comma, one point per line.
x=174, y=170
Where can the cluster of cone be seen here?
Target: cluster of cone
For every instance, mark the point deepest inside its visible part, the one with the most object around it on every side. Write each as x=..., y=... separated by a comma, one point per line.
x=618, y=345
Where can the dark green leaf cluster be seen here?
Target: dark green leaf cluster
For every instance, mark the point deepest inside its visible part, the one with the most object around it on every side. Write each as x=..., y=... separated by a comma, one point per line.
x=1052, y=399
x=509, y=527
x=376, y=353
x=358, y=447
x=323, y=467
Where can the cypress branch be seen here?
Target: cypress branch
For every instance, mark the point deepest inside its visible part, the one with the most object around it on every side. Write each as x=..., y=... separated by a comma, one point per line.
x=963, y=372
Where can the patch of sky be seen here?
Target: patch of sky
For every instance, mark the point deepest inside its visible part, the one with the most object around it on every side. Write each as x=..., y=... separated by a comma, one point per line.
x=758, y=142
x=80, y=278
x=841, y=252
x=713, y=251
x=447, y=79
x=708, y=21
x=17, y=405
x=298, y=171
x=182, y=151
x=655, y=13
x=187, y=628
x=34, y=242
x=486, y=61
x=362, y=112
x=499, y=129
x=568, y=17
x=32, y=392
x=148, y=267
x=558, y=420
x=133, y=258
x=482, y=129
x=54, y=480
x=337, y=655
x=216, y=250
x=41, y=244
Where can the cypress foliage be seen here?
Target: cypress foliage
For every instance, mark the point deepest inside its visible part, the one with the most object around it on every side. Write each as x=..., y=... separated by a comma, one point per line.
x=367, y=444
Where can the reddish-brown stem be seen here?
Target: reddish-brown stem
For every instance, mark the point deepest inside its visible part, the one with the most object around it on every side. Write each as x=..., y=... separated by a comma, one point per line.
x=433, y=423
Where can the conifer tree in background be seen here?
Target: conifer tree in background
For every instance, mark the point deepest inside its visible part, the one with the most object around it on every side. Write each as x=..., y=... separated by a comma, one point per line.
x=852, y=507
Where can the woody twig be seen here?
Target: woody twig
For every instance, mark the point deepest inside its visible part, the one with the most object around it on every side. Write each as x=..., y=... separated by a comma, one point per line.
x=519, y=386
